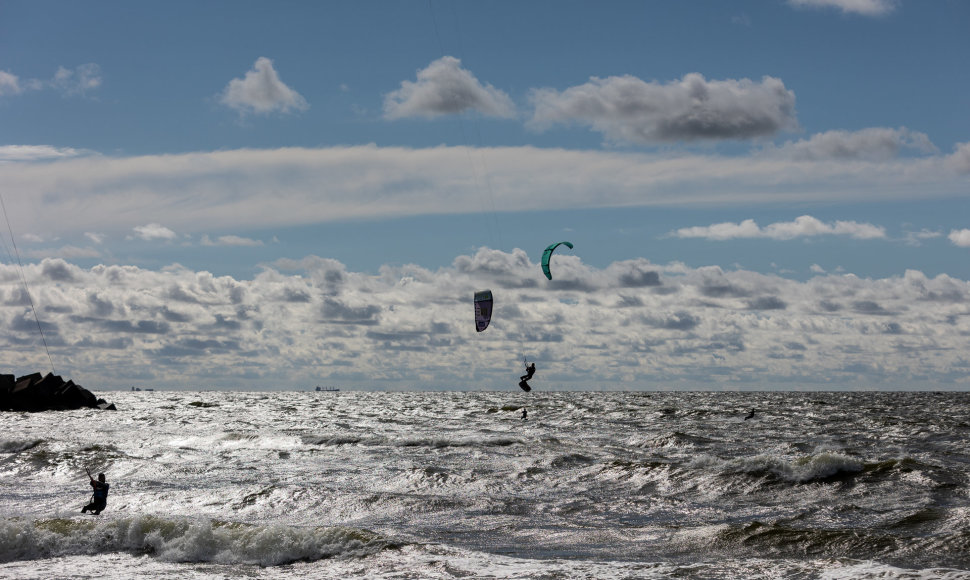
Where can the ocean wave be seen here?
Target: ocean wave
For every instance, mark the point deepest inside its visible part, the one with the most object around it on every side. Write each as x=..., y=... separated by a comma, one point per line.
x=439, y=442
x=182, y=540
x=335, y=440
x=785, y=541
x=816, y=467
x=18, y=445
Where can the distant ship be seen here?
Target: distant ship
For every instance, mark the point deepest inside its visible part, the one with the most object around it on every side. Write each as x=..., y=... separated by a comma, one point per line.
x=328, y=389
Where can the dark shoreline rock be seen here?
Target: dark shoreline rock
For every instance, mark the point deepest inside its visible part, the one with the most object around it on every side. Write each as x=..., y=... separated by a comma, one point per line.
x=36, y=392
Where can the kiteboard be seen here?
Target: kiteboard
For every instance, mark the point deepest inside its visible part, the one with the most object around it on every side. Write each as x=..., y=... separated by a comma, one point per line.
x=525, y=386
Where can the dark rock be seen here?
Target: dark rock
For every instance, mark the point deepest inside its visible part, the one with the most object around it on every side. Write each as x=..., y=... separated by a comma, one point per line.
x=48, y=392
x=7, y=383
x=74, y=396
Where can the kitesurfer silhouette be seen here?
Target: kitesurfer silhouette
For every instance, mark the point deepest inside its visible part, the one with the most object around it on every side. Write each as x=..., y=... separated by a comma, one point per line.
x=750, y=415
x=100, y=496
x=525, y=414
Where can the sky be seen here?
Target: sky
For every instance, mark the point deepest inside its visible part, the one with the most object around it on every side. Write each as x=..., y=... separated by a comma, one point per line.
x=761, y=195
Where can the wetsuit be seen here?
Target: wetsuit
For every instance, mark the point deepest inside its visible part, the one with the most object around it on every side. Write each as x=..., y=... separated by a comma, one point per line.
x=99, y=499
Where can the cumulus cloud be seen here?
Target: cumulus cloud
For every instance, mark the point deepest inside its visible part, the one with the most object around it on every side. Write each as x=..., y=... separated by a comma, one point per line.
x=802, y=226
x=445, y=88
x=261, y=92
x=412, y=326
x=627, y=109
x=960, y=238
x=872, y=144
x=861, y=7
x=152, y=232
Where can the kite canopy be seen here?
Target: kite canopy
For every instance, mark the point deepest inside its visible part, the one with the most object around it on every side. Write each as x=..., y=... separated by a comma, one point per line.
x=548, y=254
x=483, y=309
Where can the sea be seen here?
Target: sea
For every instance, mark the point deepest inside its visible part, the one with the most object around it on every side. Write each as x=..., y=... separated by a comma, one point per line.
x=427, y=485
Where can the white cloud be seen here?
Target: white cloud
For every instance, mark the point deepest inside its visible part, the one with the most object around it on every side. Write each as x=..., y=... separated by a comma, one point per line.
x=230, y=241
x=195, y=193
x=9, y=84
x=802, y=226
x=916, y=238
x=261, y=91
x=444, y=88
x=959, y=161
x=36, y=152
x=154, y=232
x=862, y=7
x=632, y=324
x=95, y=237
x=79, y=80
x=960, y=238
x=872, y=144
x=627, y=109
x=32, y=238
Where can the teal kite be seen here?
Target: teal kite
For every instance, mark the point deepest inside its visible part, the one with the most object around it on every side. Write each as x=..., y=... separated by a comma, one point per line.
x=548, y=254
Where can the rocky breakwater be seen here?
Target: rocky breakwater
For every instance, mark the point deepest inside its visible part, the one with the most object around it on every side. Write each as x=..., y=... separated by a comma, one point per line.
x=48, y=392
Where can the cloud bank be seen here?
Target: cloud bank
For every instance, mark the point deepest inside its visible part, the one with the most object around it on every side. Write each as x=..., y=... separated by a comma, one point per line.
x=630, y=325
x=196, y=193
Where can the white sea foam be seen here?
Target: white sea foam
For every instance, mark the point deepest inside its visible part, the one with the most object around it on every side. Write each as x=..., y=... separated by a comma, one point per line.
x=181, y=540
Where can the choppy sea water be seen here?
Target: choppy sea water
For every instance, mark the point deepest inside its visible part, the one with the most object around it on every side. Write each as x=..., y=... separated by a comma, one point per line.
x=457, y=485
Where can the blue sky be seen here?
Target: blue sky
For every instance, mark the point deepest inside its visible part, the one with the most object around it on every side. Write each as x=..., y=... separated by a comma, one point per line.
x=234, y=194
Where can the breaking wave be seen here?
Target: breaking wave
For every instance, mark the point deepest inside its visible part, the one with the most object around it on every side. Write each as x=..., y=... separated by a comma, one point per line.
x=182, y=540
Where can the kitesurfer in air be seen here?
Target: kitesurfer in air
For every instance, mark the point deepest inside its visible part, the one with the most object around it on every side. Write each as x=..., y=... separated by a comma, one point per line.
x=100, y=496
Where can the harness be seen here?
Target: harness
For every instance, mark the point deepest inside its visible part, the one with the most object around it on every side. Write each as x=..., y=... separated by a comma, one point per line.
x=101, y=492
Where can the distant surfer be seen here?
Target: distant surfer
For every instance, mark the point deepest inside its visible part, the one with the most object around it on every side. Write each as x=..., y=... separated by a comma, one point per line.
x=750, y=415
x=525, y=414
x=100, y=496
